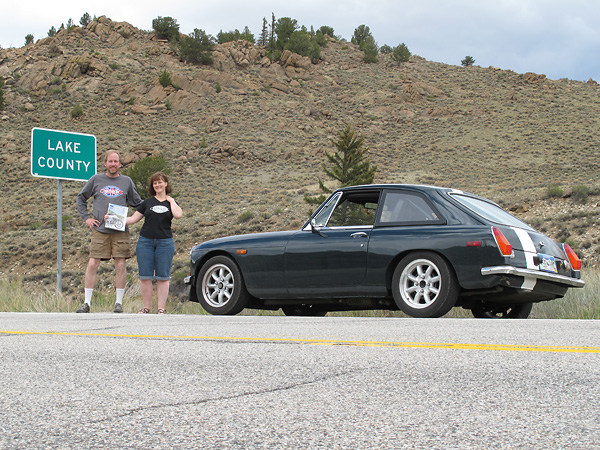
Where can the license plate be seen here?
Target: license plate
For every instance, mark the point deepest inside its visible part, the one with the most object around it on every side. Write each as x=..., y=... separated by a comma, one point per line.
x=547, y=263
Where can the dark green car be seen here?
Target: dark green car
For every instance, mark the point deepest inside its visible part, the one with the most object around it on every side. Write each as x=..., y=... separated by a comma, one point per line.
x=419, y=249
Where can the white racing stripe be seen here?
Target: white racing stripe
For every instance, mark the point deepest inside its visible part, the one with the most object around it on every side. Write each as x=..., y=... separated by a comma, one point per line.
x=530, y=252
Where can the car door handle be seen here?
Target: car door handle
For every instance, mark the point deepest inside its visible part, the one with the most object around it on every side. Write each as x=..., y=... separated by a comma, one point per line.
x=360, y=234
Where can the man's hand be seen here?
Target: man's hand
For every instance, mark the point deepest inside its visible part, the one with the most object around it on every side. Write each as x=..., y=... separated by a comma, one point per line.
x=91, y=222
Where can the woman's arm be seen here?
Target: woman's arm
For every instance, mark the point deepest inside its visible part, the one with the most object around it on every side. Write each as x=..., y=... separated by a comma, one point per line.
x=134, y=218
x=175, y=208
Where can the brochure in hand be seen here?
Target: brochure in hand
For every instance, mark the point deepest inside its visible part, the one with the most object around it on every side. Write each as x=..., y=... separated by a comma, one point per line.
x=117, y=216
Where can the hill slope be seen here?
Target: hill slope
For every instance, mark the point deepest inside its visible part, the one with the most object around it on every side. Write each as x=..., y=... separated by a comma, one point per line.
x=249, y=135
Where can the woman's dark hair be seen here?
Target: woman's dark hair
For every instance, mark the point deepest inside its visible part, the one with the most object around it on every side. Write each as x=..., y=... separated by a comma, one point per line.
x=155, y=177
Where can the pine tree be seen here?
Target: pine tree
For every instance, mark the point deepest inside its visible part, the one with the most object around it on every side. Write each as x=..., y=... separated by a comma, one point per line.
x=349, y=164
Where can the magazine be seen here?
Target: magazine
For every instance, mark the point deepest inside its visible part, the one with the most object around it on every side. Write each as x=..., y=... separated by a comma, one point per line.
x=116, y=217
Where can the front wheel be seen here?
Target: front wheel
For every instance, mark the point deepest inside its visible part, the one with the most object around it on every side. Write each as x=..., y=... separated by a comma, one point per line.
x=220, y=287
x=491, y=311
x=424, y=285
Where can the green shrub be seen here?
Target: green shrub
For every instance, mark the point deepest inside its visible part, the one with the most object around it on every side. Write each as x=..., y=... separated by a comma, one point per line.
x=581, y=193
x=197, y=47
x=245, y=216
x=554, y=191
x=166, y=28
x=301, y=42
x=76, y=112
x=165, y=79
x=52, y=31
x=401, y=53
x=1, y=99
x=142, y=170
x=385, y=49
x=29, y=39
x=327, y=30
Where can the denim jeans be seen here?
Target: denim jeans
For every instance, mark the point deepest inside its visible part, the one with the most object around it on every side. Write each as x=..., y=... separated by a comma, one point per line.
x=154, y=258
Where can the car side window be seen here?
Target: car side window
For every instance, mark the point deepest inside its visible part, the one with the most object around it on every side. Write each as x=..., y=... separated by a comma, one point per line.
x=406, y=207
x=355, y=210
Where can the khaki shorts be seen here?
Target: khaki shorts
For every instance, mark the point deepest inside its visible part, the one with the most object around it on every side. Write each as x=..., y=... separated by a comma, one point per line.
x=110, y=245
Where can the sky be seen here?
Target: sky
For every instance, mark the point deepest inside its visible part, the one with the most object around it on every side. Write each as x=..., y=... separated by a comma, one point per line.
x=560, y=39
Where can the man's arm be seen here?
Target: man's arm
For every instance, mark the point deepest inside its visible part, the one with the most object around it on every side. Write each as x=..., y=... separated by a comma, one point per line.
x=82, y=199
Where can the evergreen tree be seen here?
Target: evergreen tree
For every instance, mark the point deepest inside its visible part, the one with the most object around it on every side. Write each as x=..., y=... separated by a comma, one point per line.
x=85, y=20
x=263, y=40
x=166, y=28
x=401, y=53
x=468, y=61
x=349, y=165
x=197, y=47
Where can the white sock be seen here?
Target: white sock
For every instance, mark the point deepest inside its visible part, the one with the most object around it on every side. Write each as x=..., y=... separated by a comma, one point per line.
x=88, y=295
x=120, y=294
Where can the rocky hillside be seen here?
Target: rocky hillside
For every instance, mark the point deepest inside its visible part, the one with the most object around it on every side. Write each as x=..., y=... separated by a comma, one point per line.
x=246, y=137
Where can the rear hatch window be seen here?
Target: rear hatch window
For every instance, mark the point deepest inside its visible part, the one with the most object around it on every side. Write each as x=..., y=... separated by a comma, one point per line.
x=490, y=211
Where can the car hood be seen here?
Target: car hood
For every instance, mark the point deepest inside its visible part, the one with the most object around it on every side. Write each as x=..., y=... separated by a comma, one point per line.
x=268, y=239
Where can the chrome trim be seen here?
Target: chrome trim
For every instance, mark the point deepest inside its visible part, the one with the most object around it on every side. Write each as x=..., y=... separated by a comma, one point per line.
x=521, y=272
x=187, y=280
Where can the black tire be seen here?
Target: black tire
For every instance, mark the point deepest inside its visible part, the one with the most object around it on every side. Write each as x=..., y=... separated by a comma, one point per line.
x=491, y=311
x=220, y=287
x=424, y=285
x=303, y=310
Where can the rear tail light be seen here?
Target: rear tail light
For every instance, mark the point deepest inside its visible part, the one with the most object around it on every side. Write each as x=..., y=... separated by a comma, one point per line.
x=503, y=245
x=572, y=257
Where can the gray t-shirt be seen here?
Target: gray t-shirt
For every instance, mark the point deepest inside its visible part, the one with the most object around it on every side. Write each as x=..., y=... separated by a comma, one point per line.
x=118, y=190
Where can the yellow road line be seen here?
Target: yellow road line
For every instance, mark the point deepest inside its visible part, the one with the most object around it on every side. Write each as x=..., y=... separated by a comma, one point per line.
x=439, y=345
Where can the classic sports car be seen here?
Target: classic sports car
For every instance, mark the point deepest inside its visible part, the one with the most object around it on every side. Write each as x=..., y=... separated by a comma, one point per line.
x=420, y=249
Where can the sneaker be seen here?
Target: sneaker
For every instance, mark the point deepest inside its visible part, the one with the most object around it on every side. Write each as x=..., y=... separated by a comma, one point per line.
x=84, y=308
x=118, y=308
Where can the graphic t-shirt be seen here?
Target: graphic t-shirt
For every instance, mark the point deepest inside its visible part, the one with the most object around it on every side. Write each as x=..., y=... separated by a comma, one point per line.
x=105, y=190
x=157, y=219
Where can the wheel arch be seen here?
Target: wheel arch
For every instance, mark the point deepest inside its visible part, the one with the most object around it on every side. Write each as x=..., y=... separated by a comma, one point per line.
x=198, y=266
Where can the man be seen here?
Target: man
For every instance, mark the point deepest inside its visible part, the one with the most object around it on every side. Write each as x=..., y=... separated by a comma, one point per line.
x=106, y=188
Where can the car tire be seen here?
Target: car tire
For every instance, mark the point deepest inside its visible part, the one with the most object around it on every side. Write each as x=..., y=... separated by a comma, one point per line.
x=303, y=310
x=491, y=311
x=424, y=285
x=220, y=287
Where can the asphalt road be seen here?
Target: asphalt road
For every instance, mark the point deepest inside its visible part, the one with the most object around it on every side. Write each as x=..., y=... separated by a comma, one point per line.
x=108, y=381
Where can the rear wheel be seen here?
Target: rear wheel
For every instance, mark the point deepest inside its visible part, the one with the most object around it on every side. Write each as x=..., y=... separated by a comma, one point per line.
x=424, y=285
x=220, y=287
x=491, y=311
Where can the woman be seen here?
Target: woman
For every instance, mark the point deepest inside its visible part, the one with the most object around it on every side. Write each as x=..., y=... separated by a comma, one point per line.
x=155, y=247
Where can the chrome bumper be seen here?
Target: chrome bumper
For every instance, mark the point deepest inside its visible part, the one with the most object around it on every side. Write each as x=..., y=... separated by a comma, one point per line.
x=533, y=274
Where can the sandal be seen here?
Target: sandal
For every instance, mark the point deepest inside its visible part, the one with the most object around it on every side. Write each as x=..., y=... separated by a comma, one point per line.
x=144, y=311
x=162, y=311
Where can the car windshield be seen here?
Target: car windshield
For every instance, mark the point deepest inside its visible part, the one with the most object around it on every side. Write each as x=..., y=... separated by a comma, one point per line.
x=490, y=211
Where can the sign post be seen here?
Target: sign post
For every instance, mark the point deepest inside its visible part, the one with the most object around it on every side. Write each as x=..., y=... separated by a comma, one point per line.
x=64, y=156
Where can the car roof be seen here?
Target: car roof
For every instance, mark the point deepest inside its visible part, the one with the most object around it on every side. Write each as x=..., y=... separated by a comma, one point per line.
x=416, y=187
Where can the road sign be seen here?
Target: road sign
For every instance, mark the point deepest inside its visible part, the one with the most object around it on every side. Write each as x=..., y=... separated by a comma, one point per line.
x=62, y=155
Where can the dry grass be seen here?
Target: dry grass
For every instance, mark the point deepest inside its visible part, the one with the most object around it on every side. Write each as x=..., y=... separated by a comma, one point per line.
x=15, y=297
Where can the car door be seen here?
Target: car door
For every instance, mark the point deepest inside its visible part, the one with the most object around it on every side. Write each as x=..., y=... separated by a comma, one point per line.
x=330, y=257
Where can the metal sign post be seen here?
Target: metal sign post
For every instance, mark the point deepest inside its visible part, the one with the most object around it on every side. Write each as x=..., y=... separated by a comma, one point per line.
x=59, y=216
x=64, y=156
